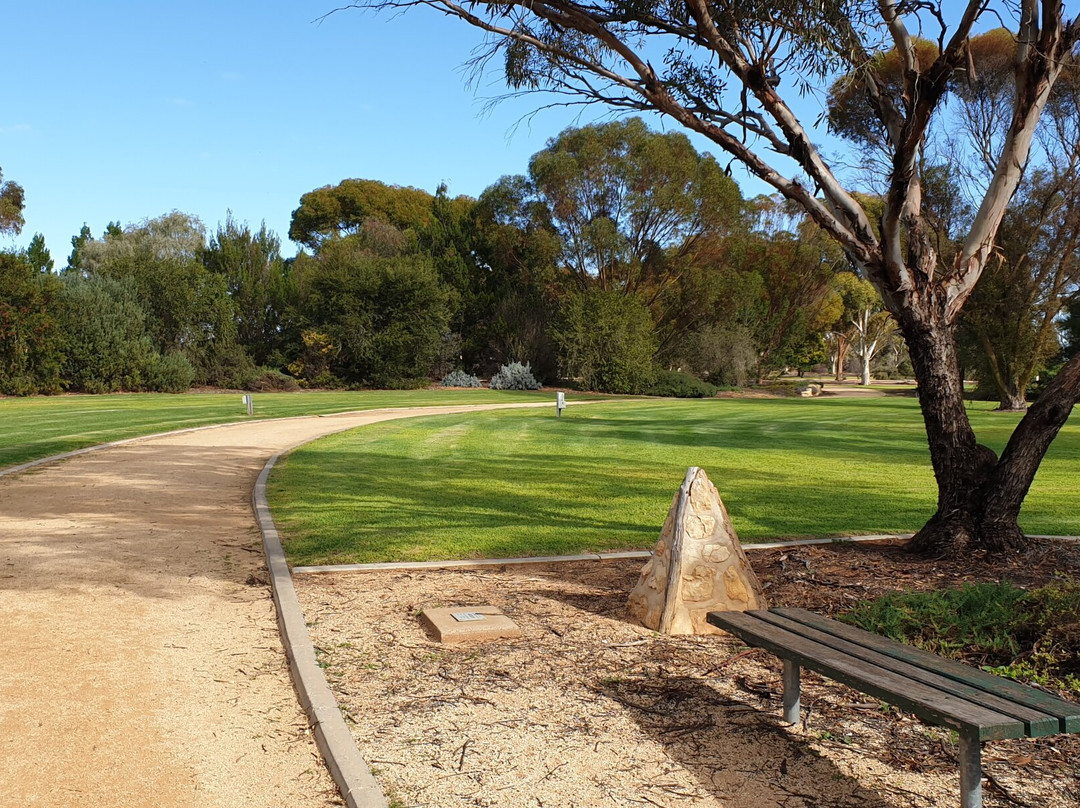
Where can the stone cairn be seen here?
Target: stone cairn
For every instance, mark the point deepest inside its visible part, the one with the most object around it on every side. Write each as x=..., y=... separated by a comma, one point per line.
x=697, y=567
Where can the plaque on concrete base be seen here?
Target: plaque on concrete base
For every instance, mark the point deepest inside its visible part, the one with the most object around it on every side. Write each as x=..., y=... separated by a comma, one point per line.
x=463, y=624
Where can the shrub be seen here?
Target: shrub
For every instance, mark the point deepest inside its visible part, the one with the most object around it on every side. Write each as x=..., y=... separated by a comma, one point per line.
x=227, y=366
x=372, y=321
x=269, y=380
x=1026, y=635
x=606, y=340
x=171, y=373
x=725, y=355
x=108, y=345
x=676, y=384
x=459, y=378
x=514, y=376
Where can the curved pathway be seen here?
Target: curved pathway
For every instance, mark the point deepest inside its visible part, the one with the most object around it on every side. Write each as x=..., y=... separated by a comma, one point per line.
x=140, y=662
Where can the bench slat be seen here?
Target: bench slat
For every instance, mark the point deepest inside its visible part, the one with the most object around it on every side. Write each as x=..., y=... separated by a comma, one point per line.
x=1036, y=722
x=1068, y=714
x=927, y=703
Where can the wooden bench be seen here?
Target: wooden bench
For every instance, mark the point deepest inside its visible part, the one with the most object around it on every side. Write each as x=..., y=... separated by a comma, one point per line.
x=977, y=704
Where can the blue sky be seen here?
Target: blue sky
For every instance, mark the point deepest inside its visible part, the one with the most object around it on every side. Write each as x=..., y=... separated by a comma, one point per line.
x=122, y=111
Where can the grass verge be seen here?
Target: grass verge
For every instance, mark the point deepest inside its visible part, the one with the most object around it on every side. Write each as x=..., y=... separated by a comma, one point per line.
x=520, y=483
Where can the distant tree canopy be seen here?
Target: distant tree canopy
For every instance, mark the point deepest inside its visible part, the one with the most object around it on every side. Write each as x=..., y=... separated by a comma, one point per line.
x=187, y=307
x=12, y=201
x=258, y=284
x=337, y=211
x=31, y=337
x=634, y=208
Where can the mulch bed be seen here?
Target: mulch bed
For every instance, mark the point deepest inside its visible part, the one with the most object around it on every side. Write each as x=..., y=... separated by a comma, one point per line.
x=589, y=709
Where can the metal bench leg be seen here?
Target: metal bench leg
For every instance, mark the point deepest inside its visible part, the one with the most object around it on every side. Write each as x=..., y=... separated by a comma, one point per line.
x=970, y=772
x=791, y=692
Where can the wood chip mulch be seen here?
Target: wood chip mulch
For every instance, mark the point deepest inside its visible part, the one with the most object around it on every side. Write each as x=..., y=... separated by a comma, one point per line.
x=589, y=709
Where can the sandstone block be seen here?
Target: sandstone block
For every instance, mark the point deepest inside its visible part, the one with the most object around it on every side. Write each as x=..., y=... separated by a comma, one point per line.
x=697, y=567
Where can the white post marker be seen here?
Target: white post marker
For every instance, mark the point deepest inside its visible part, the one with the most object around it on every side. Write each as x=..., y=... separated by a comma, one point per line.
x=560, y=403
x=249, y=403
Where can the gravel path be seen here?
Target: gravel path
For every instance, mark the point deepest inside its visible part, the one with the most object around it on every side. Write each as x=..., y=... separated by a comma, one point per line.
x=140, y=663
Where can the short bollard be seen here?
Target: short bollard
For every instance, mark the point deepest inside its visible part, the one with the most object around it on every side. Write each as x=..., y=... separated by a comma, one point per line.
x=249, y=403
x=560, y=403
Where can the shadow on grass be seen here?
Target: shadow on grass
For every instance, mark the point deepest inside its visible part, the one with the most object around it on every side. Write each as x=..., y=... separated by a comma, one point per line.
x=358, y=506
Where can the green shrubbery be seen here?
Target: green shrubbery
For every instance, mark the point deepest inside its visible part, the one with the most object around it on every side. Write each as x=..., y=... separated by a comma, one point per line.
x=606, y=340
x=1032, y=635
x=171, y=373
x=676, y=384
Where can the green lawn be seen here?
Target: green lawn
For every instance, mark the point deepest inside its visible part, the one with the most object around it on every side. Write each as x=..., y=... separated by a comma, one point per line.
x=603, y=476
x=38, y=426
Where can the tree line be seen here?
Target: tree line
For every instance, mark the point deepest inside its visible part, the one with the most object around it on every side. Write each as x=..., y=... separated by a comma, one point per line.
x=621, y=257
x=623, y=261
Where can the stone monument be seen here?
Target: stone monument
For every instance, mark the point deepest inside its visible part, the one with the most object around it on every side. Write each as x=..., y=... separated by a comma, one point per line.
x=697, y=567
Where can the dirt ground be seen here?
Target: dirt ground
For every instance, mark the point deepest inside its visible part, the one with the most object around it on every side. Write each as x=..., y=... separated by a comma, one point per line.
x=589, y=709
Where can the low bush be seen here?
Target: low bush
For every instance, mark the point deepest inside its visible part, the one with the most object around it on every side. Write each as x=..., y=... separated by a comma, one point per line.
x=171, y=373
x=514, y=376
x=1030, y=635
x=268, y=380
x=676, y=384
x=459, y=378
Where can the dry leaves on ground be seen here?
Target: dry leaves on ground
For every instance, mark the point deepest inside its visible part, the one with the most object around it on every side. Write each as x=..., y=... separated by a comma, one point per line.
x=589, y=709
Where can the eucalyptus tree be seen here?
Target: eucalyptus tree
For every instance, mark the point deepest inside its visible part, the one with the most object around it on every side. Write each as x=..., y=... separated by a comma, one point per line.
x=337, y=211
x=12, y=201
x=187, y=307
x=1010, y=328
x=1009, y=331
x=634, y=207
x=637, y=213
x=732, y=70
x=862, y=327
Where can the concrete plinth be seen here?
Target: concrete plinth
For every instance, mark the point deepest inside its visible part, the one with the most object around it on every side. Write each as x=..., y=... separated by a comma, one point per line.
x=465, y=624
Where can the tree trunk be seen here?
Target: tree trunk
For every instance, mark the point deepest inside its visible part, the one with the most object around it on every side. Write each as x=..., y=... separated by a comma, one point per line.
x=1011, y=394
x=1014, y=473
x=979, y=496
x=865, y=382
x=841, y=358
x=1012, y=400
x=961, y=465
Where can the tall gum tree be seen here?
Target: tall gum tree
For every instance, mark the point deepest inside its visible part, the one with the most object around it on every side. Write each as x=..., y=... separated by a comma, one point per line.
x=730, y=70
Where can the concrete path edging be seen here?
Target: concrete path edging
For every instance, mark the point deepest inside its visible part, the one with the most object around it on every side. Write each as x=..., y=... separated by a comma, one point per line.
x=358, y=787
x=470, y=563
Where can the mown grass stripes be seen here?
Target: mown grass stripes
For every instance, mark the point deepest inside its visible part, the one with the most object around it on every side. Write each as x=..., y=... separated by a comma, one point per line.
x=602, y=477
